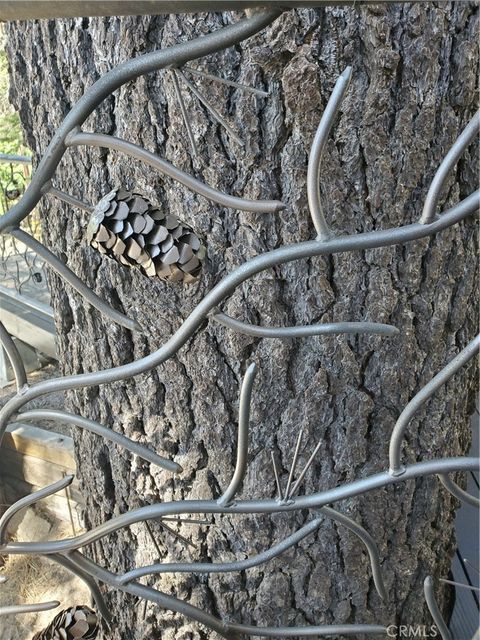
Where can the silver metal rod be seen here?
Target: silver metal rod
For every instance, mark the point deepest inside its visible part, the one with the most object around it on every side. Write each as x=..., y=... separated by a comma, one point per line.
x=307, y=466
x=28, y=608
x=209, y=107
x=177, y=55
x=74, y=281
x=95, y=592
x=68, y=199
x=222, y=567
x=77, y=139
x=375, y=328
x=27, y=501
x=277, y=476
x=325, y=630
x=158, y=510
x=227, y=286
x=44, y=9
x=14, y=356
x=450, y=160
x=230, y=83
x=398, y=433
x=369, y=543
x=294, y=463
x=161, y=599
x=14, y=159
x=183, y=109
x=316, y=155
x=453, y=488
x=460, y=584
x=242, y=443
x=105, y=432
x=434, y=610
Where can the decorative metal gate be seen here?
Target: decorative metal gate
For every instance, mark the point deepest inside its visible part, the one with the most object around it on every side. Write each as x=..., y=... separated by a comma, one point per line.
x=118, y=229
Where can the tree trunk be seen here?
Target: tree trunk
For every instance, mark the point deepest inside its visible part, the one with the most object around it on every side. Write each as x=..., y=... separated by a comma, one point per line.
x=413, y=91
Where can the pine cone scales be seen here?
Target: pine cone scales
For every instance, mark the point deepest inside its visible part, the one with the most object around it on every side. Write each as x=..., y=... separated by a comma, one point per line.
x=126, y=226
x=76, y=623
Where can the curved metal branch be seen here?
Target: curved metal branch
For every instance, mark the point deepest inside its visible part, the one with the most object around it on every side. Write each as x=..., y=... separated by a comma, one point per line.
x=96, y=594
x=374, y=328
x=228, y=285
x=27, y=501
x=177, y=55
x=453, y=488
x=325, y=630
x=242, y=444
x=222, y=567
x=159, y=510
x=396, y=439
x=225, y=629
x=14, y=356
x=434, y=610
x=68, y=199
x=105, y=432
x=74, y=281
x=450, y=160
x=77, y=139
x=28, y=608
x=369, y=543
x=316, y=155
x=148, y=593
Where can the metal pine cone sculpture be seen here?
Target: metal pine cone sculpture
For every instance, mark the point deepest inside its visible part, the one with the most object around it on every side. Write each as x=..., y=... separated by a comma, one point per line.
x=75, y=623
x=126, y=226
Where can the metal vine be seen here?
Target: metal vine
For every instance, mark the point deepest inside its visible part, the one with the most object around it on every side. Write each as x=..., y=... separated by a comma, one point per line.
x=67, y=552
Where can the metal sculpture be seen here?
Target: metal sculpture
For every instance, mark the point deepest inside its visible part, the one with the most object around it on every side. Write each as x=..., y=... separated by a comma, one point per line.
x=67, y=552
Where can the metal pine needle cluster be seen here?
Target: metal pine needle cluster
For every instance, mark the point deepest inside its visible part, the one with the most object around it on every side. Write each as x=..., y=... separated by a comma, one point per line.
x=126, y=226
x=75, y=623
x=67, y=552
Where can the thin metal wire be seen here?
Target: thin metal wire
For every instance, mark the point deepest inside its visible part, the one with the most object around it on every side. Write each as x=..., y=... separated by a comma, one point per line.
x=27, y=501
x=450, y=160
x=398, y=434
x=68, y=199
x=230, y=83
x=74, y=281
x=14, y=356
x=242, y=442
x=434, y=610
x=331, y=328
x=453, y=488
x=105, y=432
x=316, y=155
x=209, y=107
x=307, y=466
x=15, y=609
x=294, y=463
x=77, y=139
x=183, y=109
x=277, y=477
x=460, y=584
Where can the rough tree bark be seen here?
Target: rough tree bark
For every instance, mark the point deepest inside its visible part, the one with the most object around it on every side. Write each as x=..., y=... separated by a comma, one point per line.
x=413, y=90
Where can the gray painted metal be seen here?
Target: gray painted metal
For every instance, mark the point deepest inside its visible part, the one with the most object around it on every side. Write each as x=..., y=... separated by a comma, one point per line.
x=66, y=551
x=27, y=10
